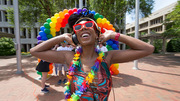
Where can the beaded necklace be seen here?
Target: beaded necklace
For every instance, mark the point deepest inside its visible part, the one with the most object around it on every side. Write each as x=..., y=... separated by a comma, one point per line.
x=89, y=78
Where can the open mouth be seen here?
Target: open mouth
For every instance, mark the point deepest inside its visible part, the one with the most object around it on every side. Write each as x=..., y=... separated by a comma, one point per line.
x=85, y=35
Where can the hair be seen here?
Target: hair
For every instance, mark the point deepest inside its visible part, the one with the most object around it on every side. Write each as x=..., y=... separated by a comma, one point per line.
x=75, y=17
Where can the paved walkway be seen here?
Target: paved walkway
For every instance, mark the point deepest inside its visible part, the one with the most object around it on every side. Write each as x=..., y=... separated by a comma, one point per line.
x=158, y=79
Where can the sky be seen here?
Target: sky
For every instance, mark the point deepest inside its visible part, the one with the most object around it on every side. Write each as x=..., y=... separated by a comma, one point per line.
x=158, y=4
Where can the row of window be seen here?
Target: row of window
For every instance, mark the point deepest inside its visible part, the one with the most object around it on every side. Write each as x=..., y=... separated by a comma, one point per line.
x=5, y=30
x=156, y=29
x=144, y=25
x=6, y=2
x=156, y=21
x=26, y=32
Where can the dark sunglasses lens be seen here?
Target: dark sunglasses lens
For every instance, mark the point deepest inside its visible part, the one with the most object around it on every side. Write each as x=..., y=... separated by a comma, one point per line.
x=90, y=24
x=78, y=27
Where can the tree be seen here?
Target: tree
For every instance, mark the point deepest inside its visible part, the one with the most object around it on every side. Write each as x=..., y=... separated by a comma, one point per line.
x=32, y=11
x=114, y=10
x=173, y=45
x=172, y=23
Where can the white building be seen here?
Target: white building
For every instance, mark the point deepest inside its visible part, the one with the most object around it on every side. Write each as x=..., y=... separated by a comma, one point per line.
x=28, y=36
x=152, y=23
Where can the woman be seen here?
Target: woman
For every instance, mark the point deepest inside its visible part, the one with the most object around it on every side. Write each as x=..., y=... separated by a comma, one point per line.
x=89, y=76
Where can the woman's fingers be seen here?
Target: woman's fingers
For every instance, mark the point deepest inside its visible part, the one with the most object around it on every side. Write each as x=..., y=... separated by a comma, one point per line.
x=68, y=38
x=105, y=36
x=101, y=38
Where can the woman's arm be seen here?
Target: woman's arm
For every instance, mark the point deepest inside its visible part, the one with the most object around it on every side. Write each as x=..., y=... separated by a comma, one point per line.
x=138, y=49
x=44, y=52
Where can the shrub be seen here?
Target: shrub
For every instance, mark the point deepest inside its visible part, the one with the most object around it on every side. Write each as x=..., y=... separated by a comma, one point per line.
x=158, y=45
x=7, y=47
x=173, y=45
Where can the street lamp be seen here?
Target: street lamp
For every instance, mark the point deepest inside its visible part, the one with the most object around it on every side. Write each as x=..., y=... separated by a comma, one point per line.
x=136, y=31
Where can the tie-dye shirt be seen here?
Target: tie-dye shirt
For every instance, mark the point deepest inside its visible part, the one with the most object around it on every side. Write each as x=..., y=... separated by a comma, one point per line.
x=100, y=88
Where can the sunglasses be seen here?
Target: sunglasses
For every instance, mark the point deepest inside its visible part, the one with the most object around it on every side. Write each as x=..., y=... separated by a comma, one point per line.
x=88, y=24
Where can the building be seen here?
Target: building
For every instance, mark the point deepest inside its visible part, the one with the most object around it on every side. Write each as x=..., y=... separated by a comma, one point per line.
x=153, y=24
x=28, y=36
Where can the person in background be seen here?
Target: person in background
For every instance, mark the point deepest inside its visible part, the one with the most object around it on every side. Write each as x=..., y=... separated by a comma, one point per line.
x=62, y=77
x=70, y=47
x=102, y=47
x=43, y=67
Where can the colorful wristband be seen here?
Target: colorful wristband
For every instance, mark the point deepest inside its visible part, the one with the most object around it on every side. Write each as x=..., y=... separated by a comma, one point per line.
x=117, y=36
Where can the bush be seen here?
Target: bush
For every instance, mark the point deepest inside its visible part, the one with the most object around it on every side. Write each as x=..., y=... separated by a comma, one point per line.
x=6, y=47
x=158, y=45
x=173, y=45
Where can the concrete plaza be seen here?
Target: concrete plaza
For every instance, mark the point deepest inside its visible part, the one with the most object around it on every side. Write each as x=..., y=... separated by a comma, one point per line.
x=158, y=79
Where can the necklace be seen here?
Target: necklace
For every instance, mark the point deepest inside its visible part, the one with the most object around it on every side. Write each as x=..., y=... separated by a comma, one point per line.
x=89, y=78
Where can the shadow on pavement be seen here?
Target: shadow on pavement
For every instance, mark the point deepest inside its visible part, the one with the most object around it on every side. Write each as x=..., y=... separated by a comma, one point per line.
x=10, y=69
x=162, y=60
x=159, y=72
x=54, y=80
x=124, y=80
x=161, y=88
x=54, y=95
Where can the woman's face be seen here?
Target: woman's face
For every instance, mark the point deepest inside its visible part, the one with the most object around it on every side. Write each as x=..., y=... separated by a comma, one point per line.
x=86, y=36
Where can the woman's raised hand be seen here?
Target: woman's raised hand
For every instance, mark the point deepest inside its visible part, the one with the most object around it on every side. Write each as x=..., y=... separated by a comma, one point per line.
x=68, y=38
x=108, y=34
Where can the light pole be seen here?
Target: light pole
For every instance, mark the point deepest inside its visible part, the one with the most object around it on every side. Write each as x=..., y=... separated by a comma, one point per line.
x=136, y=30
x=80, y=3
x=17, y=36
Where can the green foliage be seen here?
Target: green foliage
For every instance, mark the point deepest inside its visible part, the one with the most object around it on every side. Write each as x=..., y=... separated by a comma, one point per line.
x=114, y=10
x=6, y=47
x=173, y=45
x=131, y=34
x=172, y=23
x=32, y=11
x=145, y=40
x=158, y=45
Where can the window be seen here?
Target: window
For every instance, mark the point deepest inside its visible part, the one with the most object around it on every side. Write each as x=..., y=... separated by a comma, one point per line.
x=12, y=30
x=0, y=17
x=35, y=32
x=0, y=29
x=6, y=30
x=11, y=2
x=24, y=48
x=84, y=3
x=29, y=45
x=4, y=2
x=133, y=28
x=5, y=16
x=29, y=33
x=24, y=32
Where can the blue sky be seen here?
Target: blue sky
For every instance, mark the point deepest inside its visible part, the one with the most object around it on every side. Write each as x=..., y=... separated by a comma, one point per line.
x=157, y=5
